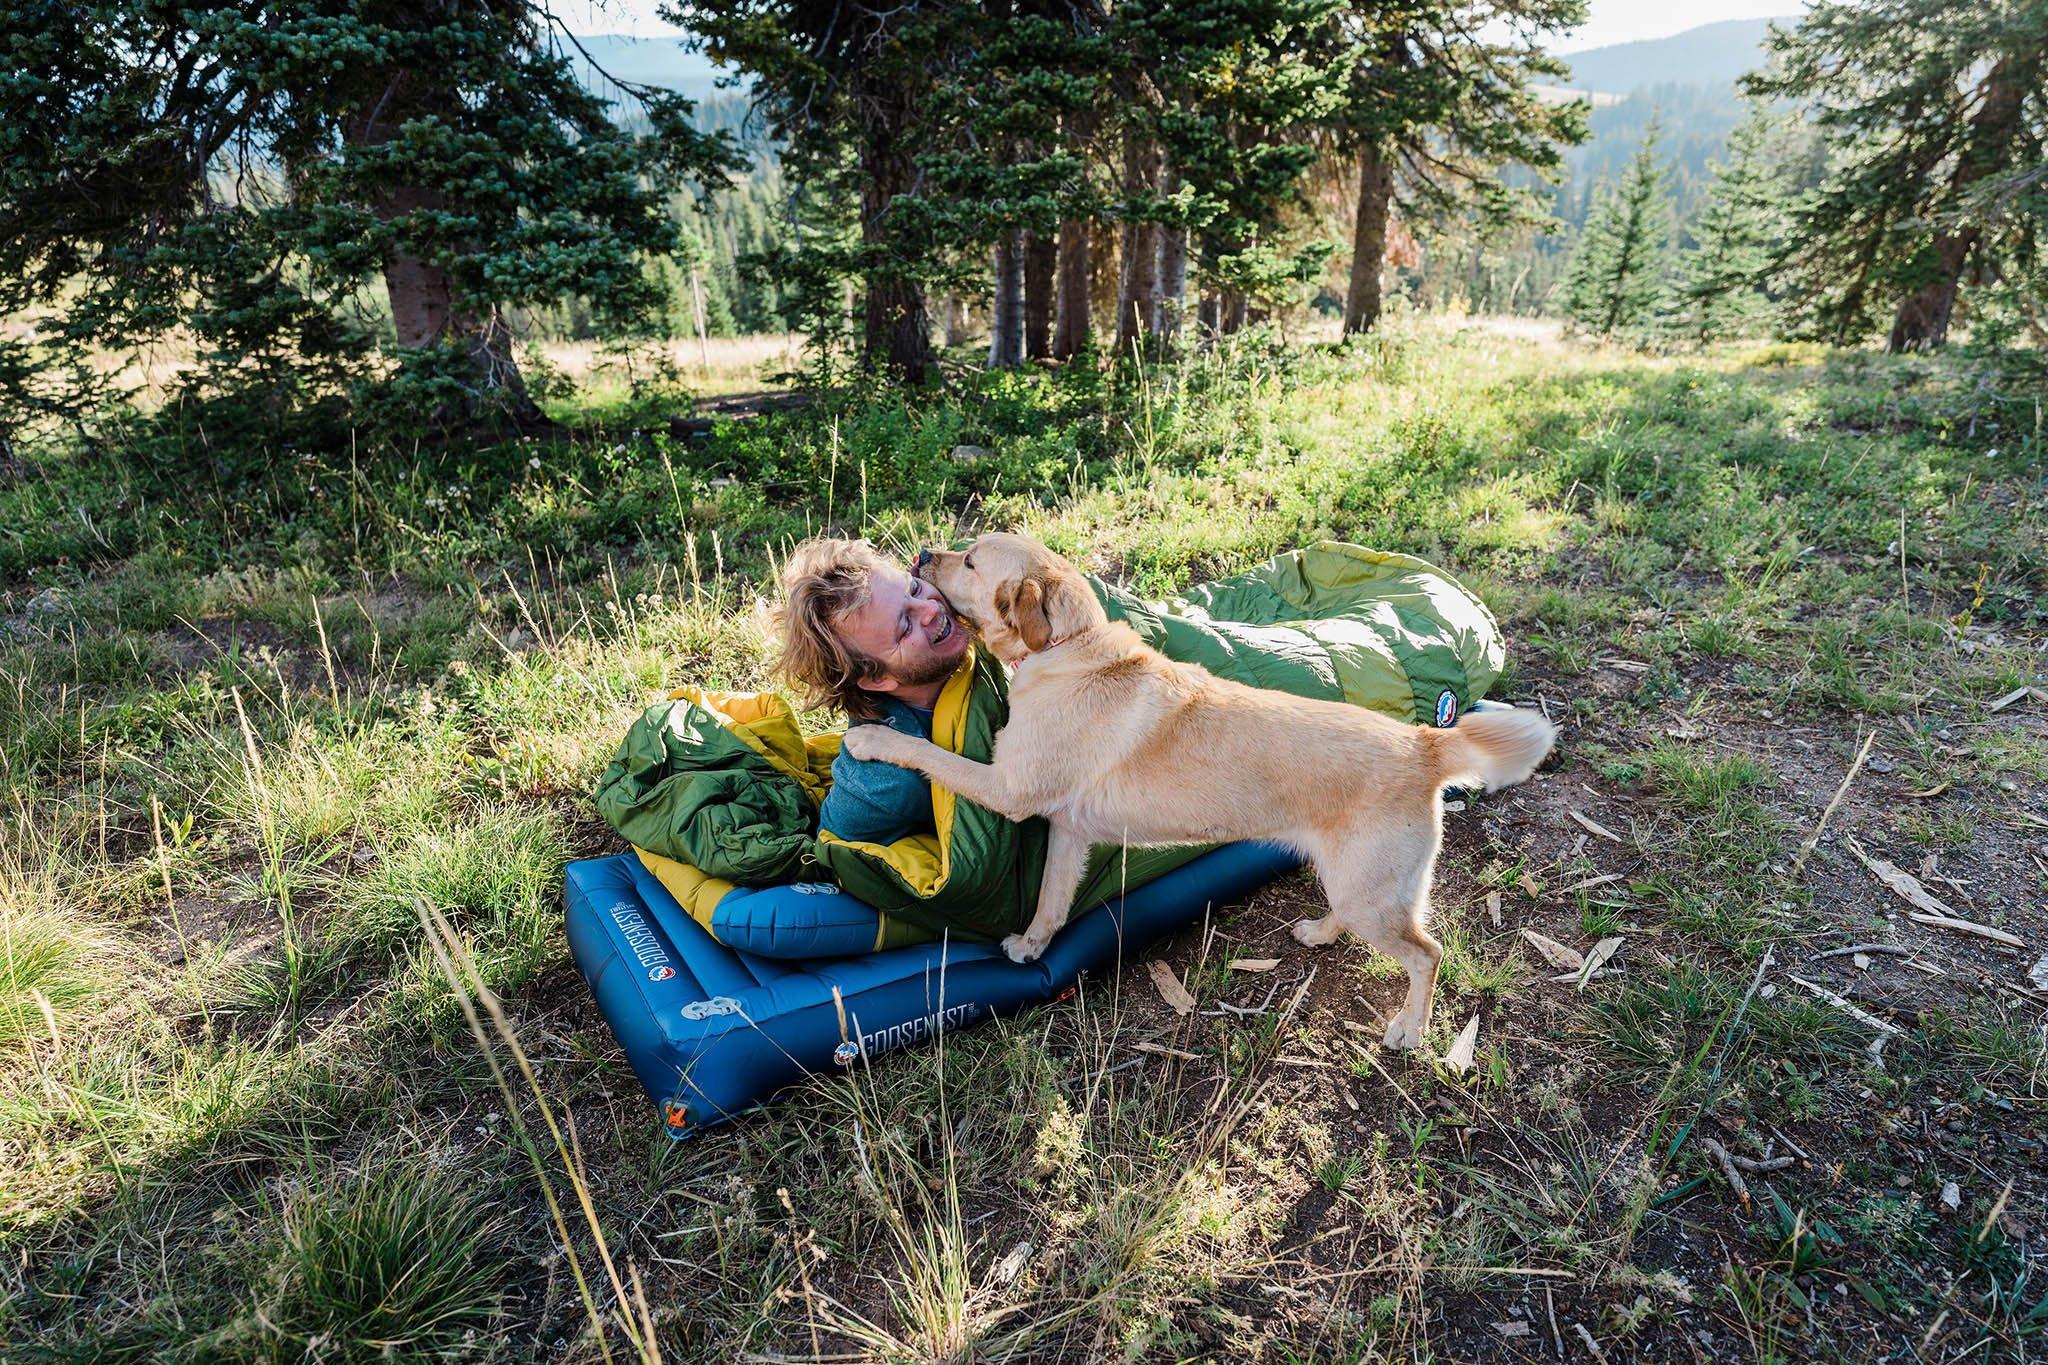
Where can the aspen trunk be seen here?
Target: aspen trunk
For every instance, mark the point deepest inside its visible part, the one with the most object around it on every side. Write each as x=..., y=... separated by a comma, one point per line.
x=1173, y=274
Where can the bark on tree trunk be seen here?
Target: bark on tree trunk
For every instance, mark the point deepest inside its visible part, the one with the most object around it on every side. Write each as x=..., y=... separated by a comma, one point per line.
x=1369, y=239
x=1041, y=261
x=896, y=328
x=1006, y=320
x=1076, y=270
x=950, y=312
x=1138, y=296
x=423, y=311
x=1922, y=319
x=1923, y=316
x=1230, y=311
x=1173, y=273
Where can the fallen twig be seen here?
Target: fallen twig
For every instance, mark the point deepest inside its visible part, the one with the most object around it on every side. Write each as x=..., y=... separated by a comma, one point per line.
x=1797, y=1150
x=1760, y=1165
x=1844, y=1004
x=1887, y=949
x=1885, y=1031
x=1714, y=1149
x=1929, y=908
x=1813, y=839
x=2017, y=694
x=1592, y=826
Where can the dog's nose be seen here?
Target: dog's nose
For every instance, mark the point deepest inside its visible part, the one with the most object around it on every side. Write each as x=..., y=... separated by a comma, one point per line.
x=917, y=568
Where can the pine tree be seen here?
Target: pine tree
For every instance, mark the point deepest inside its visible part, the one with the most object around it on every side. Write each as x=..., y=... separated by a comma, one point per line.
x=1442, y=95
x=235, y=172
x=1723, y=289
x=1919, y=103
x=1617, y=272
x=848, y=91
x=1223, y=124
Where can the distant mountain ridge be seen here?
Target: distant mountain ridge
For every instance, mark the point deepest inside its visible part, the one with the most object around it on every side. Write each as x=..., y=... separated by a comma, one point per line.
x=1687, y=81
x=666, y=62
x=1715, y=53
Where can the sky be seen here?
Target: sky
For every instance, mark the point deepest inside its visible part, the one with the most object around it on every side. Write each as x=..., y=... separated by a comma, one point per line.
x=1612, y=21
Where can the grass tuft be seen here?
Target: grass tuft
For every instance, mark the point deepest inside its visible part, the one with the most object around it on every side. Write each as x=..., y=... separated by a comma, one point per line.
x=403, y=1259
x=53, y=963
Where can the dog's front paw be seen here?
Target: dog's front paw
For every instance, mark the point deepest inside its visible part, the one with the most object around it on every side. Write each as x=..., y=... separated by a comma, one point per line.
x=1403, y=1035
x=872, y=743
x=1022, y=947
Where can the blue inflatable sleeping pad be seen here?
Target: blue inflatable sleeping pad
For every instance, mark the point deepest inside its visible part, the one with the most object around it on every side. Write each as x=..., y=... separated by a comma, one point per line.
x=712, y=1032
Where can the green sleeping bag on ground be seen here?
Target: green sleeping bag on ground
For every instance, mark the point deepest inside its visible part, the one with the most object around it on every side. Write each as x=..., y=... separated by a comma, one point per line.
x=1333, y=621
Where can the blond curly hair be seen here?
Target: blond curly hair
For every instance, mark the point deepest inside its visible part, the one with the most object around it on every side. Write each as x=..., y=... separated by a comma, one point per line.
x=823, y=579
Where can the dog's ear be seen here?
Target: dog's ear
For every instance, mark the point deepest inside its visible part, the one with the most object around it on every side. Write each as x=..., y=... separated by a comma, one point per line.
x=1022, y=606
x=1065, y=601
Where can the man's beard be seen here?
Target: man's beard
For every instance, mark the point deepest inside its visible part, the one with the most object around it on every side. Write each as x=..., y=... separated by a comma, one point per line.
x=931, y=669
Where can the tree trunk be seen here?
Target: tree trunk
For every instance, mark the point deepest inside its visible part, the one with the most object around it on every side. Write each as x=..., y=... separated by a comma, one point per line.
x=1075, y=270
x=1922, y=319
x=1923, y=316
x=1006, y=317
x=1173, y=283
x=423, y=311
x=1041, y=263
x=1230, y=312
x=896, y=328
x=954, y=321
x=1173, y=273
x=1369, y=238
x=1138, y=293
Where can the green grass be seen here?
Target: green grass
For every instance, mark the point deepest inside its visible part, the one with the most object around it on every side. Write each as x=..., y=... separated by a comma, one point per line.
x=252, y=734
x=400, y=1260
x=54, y=965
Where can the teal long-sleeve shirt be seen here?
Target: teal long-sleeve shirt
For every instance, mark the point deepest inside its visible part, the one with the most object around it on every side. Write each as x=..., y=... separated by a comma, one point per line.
x=878, y=803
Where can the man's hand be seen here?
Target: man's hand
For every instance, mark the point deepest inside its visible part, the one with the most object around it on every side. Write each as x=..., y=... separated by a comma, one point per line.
x=880, y=744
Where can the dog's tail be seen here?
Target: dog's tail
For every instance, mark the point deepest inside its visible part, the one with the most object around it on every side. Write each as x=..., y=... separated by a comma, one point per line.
x=1492, y=749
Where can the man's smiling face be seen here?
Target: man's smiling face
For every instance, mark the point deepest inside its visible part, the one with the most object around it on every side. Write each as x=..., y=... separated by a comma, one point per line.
x=907, y=628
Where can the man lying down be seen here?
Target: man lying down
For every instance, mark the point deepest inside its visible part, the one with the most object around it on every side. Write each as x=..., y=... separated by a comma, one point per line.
x=865, y=635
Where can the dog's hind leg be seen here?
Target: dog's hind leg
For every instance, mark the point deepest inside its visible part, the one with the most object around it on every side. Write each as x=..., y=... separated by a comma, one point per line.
x=1316, y=933
x=1390, y=913
x=1409, y=944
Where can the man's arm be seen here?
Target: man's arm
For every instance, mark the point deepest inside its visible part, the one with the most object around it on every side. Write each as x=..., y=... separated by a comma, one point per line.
x=874, y=803
x=984, y=784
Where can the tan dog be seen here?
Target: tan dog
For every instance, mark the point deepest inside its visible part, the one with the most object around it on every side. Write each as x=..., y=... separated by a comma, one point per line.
x=1112, y=742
